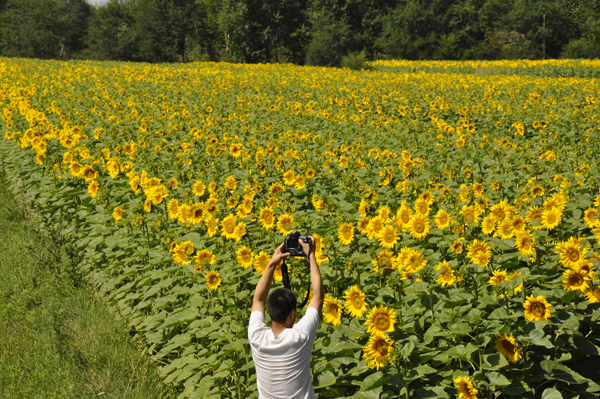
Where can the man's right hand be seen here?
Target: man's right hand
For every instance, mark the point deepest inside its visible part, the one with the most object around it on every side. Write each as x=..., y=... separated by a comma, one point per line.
x=308, y=247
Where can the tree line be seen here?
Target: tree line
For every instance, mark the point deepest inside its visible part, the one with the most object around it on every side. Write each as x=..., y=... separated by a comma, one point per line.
x=313, y=32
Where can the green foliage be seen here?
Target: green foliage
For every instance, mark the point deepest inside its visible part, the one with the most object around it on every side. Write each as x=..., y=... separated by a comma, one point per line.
x=330, y=40
x=355, y=61
x=57, y=338
x=581, y=48
x=111, y=34
x=298, y=31
x=43, y=28
x=383, y=136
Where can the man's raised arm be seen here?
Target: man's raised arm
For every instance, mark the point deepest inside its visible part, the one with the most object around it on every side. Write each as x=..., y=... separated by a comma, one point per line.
x=316, y=280
x=264, y=284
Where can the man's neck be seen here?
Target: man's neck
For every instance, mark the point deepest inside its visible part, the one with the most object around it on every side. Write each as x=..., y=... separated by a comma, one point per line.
x=278, y=328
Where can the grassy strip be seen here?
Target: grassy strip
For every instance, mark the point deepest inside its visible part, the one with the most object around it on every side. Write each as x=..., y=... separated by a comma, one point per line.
x=57, y=339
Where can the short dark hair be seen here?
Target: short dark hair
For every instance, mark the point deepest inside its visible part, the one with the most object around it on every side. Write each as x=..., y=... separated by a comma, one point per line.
x=280, y=304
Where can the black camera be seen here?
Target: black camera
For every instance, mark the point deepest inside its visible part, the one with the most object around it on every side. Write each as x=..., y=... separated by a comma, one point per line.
x=292, y=246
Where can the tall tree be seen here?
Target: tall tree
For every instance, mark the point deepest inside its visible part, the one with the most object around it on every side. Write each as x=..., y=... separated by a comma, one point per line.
x=162, y=27
x=110, y=33
x=43, y=28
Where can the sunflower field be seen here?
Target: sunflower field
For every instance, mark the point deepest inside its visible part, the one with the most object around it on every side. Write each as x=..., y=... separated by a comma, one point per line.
x=457, y=215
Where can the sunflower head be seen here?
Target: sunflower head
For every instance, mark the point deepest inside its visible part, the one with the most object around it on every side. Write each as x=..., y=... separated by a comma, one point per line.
x=355, y=303
x=508, y=347
x=465, y=388
x=213, y=279
x=381, y=319
x=537, y=308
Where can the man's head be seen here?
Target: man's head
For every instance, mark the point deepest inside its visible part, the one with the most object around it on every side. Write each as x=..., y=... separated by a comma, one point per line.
x=280, y=304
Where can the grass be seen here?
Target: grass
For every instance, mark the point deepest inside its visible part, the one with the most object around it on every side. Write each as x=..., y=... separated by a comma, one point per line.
x=58, y=339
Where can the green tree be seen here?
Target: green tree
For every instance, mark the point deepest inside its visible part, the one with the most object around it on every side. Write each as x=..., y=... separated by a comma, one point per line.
x=110, y=33
x=162, y=27
x=43, y=28
x=331, y=39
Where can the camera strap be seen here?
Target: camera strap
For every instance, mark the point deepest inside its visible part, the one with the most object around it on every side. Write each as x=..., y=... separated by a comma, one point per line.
x=286, y=279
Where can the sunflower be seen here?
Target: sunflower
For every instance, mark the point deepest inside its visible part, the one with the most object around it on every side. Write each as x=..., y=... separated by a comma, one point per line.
x=285, y=224
x=537, y=308
x=525, y=243
x=332, y=311
x=517, y=223
x=422, y=207
x=212, y=226
x=385, y=212
x=590, y=217
x=414, y=261
x=556, y=201
x=275, y=188
x=363, y=207
x=458, y=245
x=500, y=210
x=289, y=177
x=147, y=205
x=346, y=233
x=377, y=350
x=182, y=253
x=465, y=388
x=537, y=191
x=198, y=188
x=196, y=213
x=117, y=213
x=205, y=257
x=534, y=217
x=576, y=280
x=442, y=219
x=381, y=319
x=89, y=173
x=93, y=188
x=245, y=257
x=76, y=169
x=505, y=230
x=240, y=231
x=404, y=214
x=498, y=276
x=419, y=226
x=478, y=189
x=593, y=295
x=470, y=214
x=570, y=252
x=551, y=218
x=213, y=279
x=446, y=276
x=261, y=261
x=157, y=193
x=488, y=225
x=228, y=226
x=479, y=252
x=230, y=183
x=355, y=301
x=388, y=236
x=173, y=209
x=383, y=261
x=362, y=225
x=267, y=218
x=299, y=182
x=375, y=226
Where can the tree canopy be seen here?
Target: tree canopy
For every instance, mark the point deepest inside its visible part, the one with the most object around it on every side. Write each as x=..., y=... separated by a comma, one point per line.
x=316, y=32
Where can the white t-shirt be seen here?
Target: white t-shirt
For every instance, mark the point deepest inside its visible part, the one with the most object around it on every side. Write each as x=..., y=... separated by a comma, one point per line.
x=283, y=362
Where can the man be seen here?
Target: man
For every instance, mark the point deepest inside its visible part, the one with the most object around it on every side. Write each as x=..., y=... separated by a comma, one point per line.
x=281, y=353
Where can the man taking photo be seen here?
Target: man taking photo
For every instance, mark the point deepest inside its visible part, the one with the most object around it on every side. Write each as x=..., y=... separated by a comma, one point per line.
x=281, y=353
